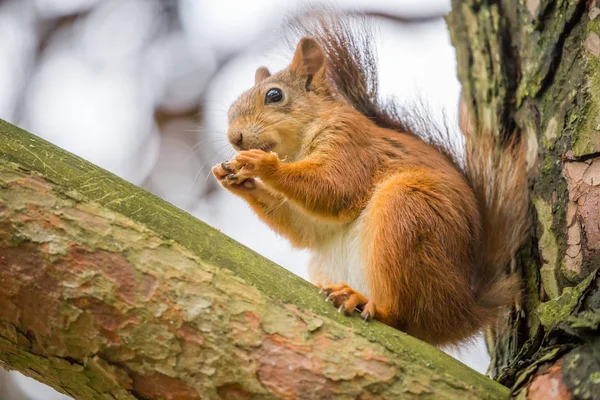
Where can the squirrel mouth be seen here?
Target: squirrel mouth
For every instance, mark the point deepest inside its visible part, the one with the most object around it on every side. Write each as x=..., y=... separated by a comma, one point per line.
x=266, y=147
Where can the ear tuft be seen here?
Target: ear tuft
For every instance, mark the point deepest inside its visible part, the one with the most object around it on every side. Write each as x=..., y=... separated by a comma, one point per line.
x=309, y=57
x=261, y=74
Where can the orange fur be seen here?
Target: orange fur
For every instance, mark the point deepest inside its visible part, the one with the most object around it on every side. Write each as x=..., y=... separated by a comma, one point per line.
x=329, y=170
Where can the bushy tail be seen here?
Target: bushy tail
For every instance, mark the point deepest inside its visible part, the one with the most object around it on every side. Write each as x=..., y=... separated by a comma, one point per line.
x=495, y=171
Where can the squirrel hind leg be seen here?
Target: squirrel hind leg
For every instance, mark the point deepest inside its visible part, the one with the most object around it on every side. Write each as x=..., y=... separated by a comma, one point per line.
x=416, y=260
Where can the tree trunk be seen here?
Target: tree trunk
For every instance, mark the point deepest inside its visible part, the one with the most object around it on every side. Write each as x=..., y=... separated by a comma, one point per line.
x=107, y=292
x=532, y=68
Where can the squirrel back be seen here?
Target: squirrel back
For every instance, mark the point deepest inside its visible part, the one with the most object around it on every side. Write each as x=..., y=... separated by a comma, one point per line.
x=495, y=171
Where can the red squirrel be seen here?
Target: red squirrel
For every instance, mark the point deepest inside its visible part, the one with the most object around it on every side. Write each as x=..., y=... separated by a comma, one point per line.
x=398, y=229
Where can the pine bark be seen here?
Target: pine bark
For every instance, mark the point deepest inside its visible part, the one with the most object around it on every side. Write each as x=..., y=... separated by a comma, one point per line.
x=532, y=68
x=107, y=292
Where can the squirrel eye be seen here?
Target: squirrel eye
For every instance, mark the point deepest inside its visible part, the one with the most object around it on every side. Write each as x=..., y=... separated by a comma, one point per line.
x=273, y=96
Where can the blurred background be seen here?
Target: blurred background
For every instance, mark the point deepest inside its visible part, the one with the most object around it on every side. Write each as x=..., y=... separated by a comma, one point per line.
x=142, y=88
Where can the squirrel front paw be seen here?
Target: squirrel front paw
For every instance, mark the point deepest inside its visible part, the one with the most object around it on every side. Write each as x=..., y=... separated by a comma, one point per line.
x=230, y=180
x=255, y=163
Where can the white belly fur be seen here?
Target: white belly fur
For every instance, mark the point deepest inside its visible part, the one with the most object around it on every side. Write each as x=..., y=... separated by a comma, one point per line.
x=338, y=259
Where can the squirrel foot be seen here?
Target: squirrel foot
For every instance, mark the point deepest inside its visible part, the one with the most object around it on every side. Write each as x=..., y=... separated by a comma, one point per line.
x=348, y=300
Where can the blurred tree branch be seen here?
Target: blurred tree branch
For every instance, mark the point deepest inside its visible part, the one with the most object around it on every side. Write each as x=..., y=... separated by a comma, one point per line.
x=405, y=19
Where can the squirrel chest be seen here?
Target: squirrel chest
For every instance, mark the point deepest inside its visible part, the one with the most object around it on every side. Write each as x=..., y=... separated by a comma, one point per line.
x=339, y=259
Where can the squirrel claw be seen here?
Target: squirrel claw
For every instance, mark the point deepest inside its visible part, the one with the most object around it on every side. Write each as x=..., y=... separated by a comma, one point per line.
x=368, y=311
x=341, y=308
x=226, y=166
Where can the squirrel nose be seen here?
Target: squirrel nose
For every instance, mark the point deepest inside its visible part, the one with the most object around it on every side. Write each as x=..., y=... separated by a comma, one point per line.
x=238, y=139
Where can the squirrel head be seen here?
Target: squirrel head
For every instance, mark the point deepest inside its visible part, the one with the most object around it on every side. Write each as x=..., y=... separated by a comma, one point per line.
x=275, y=114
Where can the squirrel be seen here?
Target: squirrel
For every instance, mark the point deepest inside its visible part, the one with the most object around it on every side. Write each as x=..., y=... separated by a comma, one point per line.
x=398, y=229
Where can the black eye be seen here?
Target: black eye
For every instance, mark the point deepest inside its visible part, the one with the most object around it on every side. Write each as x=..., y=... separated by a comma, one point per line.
x=273, y=96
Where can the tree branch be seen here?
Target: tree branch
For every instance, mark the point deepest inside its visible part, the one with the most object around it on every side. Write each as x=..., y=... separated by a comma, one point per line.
x=107, y=292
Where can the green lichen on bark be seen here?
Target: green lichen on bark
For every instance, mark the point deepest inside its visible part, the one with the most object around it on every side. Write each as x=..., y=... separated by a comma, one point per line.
x=109, y=292
x=555, y=312
x=548, y=247
x=582, y=371
x=588, y=119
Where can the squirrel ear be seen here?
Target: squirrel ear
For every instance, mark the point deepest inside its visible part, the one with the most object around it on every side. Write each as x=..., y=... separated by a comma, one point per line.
x=261, y=74
x=309, y=59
